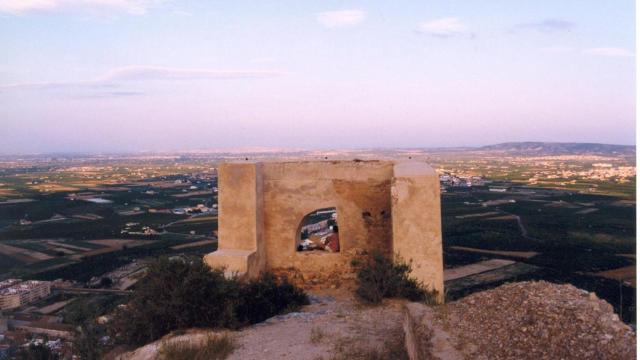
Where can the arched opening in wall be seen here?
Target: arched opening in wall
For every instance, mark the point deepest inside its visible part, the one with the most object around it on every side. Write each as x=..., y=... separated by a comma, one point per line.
x=319, y=231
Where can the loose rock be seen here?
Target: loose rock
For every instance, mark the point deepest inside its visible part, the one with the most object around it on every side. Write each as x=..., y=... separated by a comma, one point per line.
x=539, y=320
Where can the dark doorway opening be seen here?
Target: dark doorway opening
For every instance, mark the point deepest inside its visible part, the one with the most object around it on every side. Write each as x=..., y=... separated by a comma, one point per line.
x=319, y=231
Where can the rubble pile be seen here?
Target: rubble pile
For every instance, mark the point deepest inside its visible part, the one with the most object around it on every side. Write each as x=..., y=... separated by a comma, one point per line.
x=538, y=320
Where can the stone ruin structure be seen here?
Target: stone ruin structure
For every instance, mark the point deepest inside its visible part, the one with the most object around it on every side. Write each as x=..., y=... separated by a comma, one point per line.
x=388, y=206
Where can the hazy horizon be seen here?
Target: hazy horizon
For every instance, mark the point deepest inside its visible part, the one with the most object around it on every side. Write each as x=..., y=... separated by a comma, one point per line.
x=266, y=149
x=123, y=76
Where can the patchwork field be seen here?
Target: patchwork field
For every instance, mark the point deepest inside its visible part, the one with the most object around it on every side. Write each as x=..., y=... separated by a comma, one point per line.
x=195, y=244
x=119, y=242
x=517, y=254
x=192, y=194
x=561, y=235
x=95, y=218
x=626, y=274
x=7, y=192
x=30, y=251
x=476, y=268
x=23, y=255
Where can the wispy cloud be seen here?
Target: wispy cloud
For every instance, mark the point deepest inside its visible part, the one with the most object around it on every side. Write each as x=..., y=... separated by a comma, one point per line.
x=559, y=49
x=444, y=27
x=116, y=77
x=133, y=7
x=110, y=94
x=599, y=51
x=168, y=73
x=182, y=13
x=341, y=18
x=609, y=51
x=264, y=60
x=43, y=85
x=546, y=25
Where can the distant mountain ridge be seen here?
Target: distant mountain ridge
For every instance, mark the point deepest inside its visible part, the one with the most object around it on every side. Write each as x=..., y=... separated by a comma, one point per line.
x=560, y=148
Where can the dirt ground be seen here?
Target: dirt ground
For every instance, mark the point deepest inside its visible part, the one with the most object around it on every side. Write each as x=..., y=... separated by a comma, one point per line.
x=330, y=328
x=333, y=327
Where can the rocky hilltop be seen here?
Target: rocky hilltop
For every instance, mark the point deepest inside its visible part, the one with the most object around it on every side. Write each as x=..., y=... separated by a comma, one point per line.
x=537, y=320
x=525, y=320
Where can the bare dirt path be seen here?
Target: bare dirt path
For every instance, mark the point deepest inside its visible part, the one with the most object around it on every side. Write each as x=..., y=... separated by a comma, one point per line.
x=330, y=328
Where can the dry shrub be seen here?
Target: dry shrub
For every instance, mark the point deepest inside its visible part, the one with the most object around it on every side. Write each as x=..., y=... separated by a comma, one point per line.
x=214, y=348
x=380, y=277
x=179, y=295
x=316, y=335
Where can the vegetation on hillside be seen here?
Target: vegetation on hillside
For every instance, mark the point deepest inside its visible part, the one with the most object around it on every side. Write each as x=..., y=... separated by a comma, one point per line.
x=213, y=348
x=180, y=295
x=383, y=277
x=36, y=352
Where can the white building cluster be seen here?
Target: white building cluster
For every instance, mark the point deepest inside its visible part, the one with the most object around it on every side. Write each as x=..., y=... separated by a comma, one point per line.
x=448, y=179
x=15, y=293
x=604, y=171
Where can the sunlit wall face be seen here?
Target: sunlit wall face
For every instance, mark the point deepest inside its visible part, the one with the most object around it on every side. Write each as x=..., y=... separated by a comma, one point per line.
x=174, y=75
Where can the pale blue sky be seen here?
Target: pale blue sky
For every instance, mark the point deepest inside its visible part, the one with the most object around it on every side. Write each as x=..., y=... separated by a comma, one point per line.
x=127, y=75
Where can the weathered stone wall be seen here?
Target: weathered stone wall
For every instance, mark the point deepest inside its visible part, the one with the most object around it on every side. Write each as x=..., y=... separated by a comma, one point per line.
x=242, y=250
x=262, y=205
x=424, y=337
x=360, y=192
x=417, y=229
